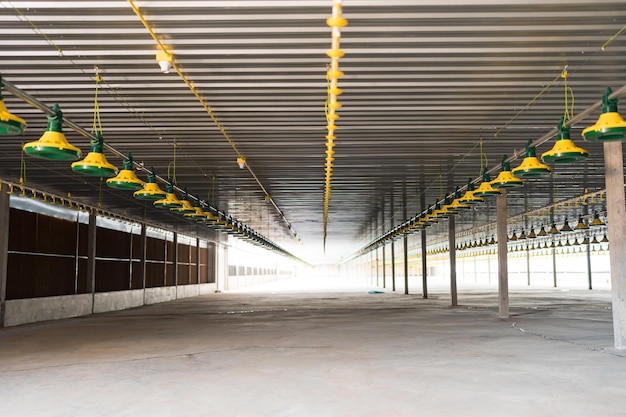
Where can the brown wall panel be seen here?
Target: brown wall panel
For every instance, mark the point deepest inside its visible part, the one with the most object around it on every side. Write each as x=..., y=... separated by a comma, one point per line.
x=31, y=232
x=203, y=274
x=112, y=275
x=154, y=275
x=136, y=276
x=112, y=244
x=82, y=276
x=155, y=249
x=39, y=276
x=183, y=274
x=169, y=274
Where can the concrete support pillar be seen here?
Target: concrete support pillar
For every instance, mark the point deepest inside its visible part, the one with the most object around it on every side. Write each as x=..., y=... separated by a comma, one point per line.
x=4, y=248
x=384, y=269
x=424, y=266
x=175, y=262
x=589, y=264
x=452, y=245
x=615, y=204
x=406, y=264
x=377, y=266
x=143, y=250
x=393, y=265
x=554, y=262
x=91, y=256
x=221, y=265
x=197, y=260
x=503, y=268
x=527, y=264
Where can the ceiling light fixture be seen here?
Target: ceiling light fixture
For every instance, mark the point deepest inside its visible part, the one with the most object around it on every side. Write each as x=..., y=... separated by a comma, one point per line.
x=151, y=190
x=564, y=150
x=241, y=161
x=505, y=179
x=52, y=144
x=165, y=60
x=10, y=124
x=126, y=178
x=531, y=167
x=610, y=125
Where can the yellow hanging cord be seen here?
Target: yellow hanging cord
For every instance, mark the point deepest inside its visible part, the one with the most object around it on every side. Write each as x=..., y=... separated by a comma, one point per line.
x=22, y=169
x=484, y=162
x=569, y=111
x=171, y=167
x=100, y=195
x=97, y=123
x=612, y=38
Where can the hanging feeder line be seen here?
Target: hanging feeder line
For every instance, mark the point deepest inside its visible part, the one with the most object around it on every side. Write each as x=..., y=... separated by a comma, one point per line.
x=575, y=119
x=209, y=111
x=336, y=22
x=47, y=110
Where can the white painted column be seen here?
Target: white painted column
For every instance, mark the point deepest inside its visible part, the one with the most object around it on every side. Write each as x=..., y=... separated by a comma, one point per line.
x=452, y=245
x=503, y=269
x=615, y=204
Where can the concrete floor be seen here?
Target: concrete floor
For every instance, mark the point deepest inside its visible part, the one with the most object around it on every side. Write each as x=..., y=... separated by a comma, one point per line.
x=307, y=353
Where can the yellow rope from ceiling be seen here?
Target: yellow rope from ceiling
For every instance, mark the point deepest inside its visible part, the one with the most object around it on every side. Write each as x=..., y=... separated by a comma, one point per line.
x=336, y=21
x=240, y=157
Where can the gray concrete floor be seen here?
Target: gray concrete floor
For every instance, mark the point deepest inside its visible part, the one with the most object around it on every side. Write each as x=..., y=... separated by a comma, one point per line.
x=310, y=353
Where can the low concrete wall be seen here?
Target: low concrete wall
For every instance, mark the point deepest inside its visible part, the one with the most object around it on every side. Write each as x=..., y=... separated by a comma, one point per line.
x=30, y=310
x=160, y=294
x=206, y=288
x=186, y=291
x=117, y=300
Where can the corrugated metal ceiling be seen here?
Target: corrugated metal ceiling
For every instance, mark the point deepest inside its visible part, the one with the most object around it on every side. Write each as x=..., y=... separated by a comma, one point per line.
x=424, y=83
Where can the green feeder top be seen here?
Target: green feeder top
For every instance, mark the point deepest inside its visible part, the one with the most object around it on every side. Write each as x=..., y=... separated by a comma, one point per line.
x=563, y=130
x=609, y=105
x=506, y=166
x=530, y=150
x=55, y=121
x=127, y=165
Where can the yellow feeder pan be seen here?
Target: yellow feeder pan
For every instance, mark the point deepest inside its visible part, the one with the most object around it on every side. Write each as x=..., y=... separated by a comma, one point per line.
x=469, y=197
x=198, y=213
x=564, y=151
x=126, y=178
x=596, y=220
x=485, y=189
x=52, y=144
x=151, y=190
x=581, y=224
x=185, y=207
x=553, y=230
x=610, y=125
x=531, y=167
x=95, y=163
x=170, y=201
x=10, y=124
x=566, y=227
x=505, y=179
x=542, y=231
